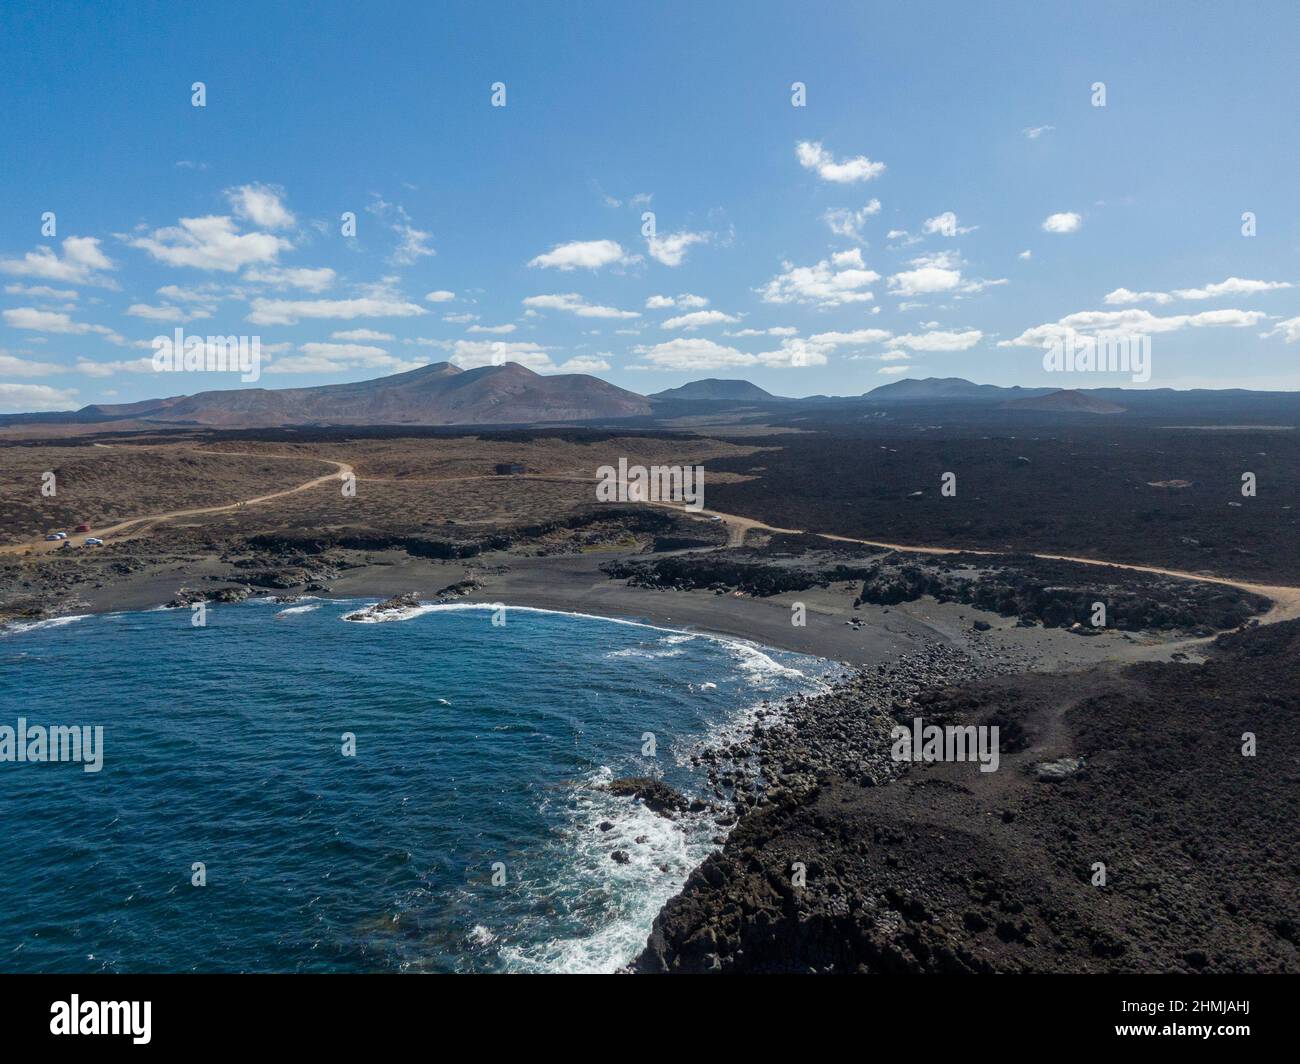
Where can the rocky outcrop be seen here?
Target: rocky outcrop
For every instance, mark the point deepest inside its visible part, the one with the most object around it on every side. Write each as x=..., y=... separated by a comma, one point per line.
x=734, y=570
x=189, y=596
x=656, y=795
x=849, y=862
x=388, y=609
x=1058, y=594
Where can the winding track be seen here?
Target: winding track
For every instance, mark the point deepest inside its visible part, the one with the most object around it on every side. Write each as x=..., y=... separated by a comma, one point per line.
x=341, y=469
x=1286, y=600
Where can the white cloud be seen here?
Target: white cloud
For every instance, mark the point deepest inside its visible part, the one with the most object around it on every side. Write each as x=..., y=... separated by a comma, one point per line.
x=775, y=330
x=584, y=364
x=1063, y=222
x=54, y=322
x=1233, y=286
x=42, y=291
x=334, y=358
x=1034, y=132
x=413, y=243
x=848, y=223
x=940, y=340
x=832, y=282
x=1122, y=297
x=310, y=279
x=32, y=398
x=812, y=156
x=206, y=296
x=693, y=354
x=936, y=273
x=685, y=300
x=263, y=205
x=354, y=335
x=288, y=311
x=108, y=369
x=82, y=263
x=13, y=366
x=893, y=371
x=575, y=304
x=500, y=329
x=697, y=318
x=1025, y=255
x=925, y=280
x=671, y=249
x=343, y=351
x=945, y=224
x=440, y=296
x=1289, y=329
x=1128, y=322
x=165, y=313
x=581, y=254
x=210, y=243
x=855, y=338
x=471, y=354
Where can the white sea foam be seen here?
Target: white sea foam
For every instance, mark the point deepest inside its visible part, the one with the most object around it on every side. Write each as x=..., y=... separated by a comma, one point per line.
x=760, y=666
x=36, y=626
x=656, y=870
x=644, y=652
x=372, y=616
x=299, y=609
x=752, y=659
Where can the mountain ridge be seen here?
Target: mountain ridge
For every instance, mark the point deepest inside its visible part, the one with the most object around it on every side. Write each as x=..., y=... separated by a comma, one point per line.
x=437, y=394
x=716, y=388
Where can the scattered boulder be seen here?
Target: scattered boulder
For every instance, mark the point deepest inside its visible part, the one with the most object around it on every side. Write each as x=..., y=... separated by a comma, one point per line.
x=1063, y=768
x=658, y=796
x=408, y=601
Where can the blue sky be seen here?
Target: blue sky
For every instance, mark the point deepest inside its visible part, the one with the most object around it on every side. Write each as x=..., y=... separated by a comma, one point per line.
x=948, y=202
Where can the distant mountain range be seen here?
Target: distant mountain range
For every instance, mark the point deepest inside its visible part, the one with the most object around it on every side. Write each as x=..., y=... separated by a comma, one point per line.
x=510, y=394
x=951, y=388
x=714, y=388
x=1067, y=402
x=439, y=394
x=1048, y=400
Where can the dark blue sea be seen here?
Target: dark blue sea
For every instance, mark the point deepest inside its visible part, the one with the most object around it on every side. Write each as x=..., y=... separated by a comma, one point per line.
x=478, y=749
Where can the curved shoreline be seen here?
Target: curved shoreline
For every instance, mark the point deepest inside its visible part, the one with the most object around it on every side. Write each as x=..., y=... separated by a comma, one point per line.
x=735, y=724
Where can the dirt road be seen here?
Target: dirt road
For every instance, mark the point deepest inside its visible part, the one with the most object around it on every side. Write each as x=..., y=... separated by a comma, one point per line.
x=136, y=524
x=1286, y=600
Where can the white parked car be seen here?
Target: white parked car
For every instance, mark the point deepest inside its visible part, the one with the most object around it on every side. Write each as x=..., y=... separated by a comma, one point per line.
x=94, y=542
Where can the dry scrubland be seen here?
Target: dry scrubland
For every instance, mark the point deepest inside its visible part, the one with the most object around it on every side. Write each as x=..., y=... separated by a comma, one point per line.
x=404, y=485
x=101, y=485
